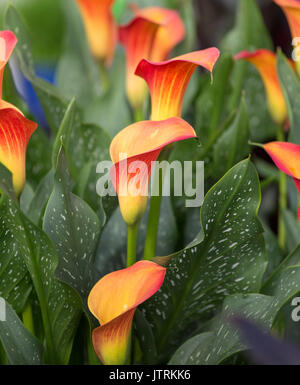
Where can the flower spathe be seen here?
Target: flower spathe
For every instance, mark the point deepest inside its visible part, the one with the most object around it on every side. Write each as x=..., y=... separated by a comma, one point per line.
x=265, y=62
x=170, y=32
x=137, y=37
x=291, y=8
x=152, y=34
x=100, y=27
x=113, y=301
x=8, y=42
x=168, y=80
x=286, y=157
x=132, y=151
x=15, y=131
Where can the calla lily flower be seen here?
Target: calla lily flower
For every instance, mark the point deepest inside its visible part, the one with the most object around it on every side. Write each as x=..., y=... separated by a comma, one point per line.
x=170, y=33
x=265, y=62
x=152, y=34
x=168, y=80
x=8, y=42
x=286, y=157
x=132, y=151
x=291, y=8
x=15, y=131
x=113, y=301
x=100, y=27
x=137, y=38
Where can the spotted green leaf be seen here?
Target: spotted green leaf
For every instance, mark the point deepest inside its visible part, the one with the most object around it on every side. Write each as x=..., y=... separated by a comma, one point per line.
x=38, y=157
x=223, y=340
x=20, y=346
x=89, y=145
x=272, y=282
x=15, y=284
x=229, y=258
x=64, y=131
x=74, y=229
x=41, y=195
x=60, y=305
x=6, y=185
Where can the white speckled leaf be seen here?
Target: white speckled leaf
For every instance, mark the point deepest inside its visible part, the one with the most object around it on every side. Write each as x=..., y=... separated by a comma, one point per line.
x=70, y=120
x=230, y=259
x=74, y=229
x=6, y=185
x=272, y=282
x=21, y=347
x=224, y=340
x=60, y=304
x=89, y=145
x=15, y=285
x=38, y=157
x=40, y=198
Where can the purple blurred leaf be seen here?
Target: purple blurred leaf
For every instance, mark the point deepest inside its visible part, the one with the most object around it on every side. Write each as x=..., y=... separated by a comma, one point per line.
x=264, y=348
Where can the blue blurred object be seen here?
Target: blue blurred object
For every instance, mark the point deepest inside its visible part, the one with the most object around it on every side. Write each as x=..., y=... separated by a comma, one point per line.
x=27, y=93
x=264, y=348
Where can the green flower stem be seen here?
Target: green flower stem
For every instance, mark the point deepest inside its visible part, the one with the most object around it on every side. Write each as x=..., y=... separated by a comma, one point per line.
x=104, y=78
x=282, y=197
x=28, y=318
x=265, y=183
x=153, y=220
x=132, y=243
x=154, y=211
x=138, y=114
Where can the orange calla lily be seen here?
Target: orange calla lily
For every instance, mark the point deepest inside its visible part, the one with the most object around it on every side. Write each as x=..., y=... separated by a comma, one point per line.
x=286, y=157
x=8, y=42
x=168, y=80
x=15, y=131
x=265, y=62
x=132, y=151
x=170, y=33
x=291, y=8
x=152, y=34
x=100, y=27
x=113, y=301
x=137, y=38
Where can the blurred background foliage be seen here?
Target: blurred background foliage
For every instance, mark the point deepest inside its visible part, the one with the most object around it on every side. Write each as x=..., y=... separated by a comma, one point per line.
x=213, y=19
